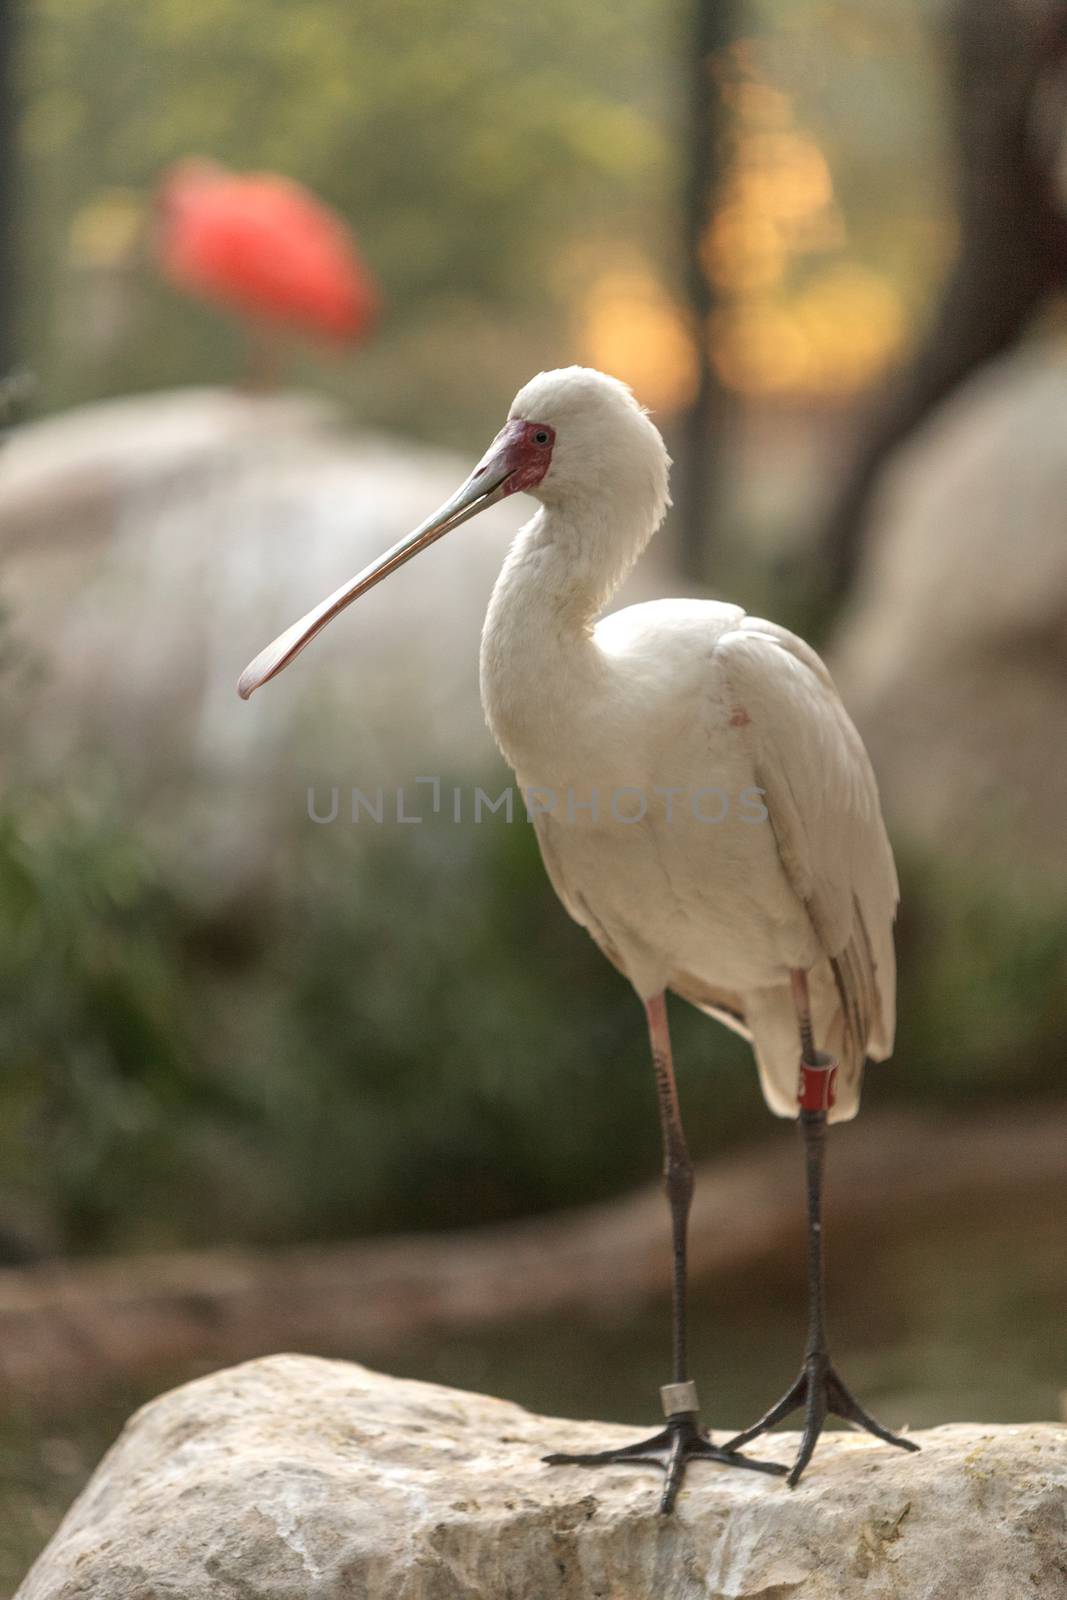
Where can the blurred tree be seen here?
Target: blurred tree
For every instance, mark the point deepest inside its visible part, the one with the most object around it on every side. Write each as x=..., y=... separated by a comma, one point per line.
x=1009, y=86
x=506, y=169
x=330, y=1059
x=468, y=148
x=9, y=353
x=712, y=25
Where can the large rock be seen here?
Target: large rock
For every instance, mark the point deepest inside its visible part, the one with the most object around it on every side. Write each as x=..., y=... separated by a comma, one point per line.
x=953, y=657
x=297, y=1477
x=150, y=546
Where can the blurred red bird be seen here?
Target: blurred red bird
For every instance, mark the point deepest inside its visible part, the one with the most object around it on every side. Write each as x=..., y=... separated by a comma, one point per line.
x=263, y=246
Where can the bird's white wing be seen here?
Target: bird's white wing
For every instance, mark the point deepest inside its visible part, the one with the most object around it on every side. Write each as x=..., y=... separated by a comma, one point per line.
x=822, y=799
x=568, y=894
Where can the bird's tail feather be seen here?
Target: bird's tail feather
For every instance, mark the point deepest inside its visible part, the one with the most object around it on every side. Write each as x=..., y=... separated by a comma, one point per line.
x=772, y=1020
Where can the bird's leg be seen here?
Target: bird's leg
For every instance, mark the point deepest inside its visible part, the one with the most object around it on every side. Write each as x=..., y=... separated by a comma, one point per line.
x=817, y=1389
x=683, y=1438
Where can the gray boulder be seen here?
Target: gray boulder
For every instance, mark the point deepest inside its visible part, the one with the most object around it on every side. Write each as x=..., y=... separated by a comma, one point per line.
x=953, y=657
x=297, y=1477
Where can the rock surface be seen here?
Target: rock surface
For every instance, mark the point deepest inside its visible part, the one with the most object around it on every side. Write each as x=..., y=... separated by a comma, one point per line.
x=298, y=1477
x=953, y=656
x=151, y=545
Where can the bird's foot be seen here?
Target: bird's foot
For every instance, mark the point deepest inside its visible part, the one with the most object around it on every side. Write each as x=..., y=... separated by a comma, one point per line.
x=821, y=1393
x=681, y=1441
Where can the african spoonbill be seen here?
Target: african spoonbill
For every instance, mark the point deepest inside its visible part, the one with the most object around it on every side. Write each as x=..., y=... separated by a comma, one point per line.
x=777, y=920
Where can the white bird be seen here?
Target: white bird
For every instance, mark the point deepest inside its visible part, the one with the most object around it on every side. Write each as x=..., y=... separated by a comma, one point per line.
x=704, y=808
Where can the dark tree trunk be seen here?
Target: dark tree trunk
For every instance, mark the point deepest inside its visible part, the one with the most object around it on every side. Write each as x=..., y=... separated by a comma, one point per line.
x=1013, y=235
x=8, y=186
x=711, y=26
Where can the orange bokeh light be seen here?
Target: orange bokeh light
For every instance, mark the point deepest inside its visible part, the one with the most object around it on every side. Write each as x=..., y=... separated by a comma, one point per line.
x=797, y=317
x=631, y=327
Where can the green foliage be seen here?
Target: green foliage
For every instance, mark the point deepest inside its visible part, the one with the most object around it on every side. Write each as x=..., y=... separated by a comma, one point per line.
x=449, y=1045
x=983, y=1011
x=466, y=144
x=399, y=1032
x=391, y=1037
x=101, y=1099
x=397, y=1027
x=493, y=159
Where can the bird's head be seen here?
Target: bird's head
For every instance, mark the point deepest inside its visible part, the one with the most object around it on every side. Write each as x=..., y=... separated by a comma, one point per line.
x=572, y=437
x=604, y=445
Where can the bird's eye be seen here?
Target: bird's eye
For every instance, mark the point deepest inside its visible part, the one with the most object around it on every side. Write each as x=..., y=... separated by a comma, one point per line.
x=541, y=436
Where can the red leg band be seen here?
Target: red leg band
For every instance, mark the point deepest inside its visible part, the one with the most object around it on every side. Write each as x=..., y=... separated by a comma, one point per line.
x=815, y=1091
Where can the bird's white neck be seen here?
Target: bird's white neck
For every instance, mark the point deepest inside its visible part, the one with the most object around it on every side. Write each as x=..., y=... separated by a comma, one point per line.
x=538, y=652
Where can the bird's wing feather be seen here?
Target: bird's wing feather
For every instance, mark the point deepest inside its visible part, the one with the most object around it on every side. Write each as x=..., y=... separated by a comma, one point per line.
x=572, y=901
x=822, y=800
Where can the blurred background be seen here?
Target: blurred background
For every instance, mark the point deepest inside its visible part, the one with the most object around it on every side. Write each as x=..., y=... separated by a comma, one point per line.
x=362, y=1088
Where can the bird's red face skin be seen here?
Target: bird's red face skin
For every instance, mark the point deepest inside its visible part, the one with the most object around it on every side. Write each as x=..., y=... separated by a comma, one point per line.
x=525, y=449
